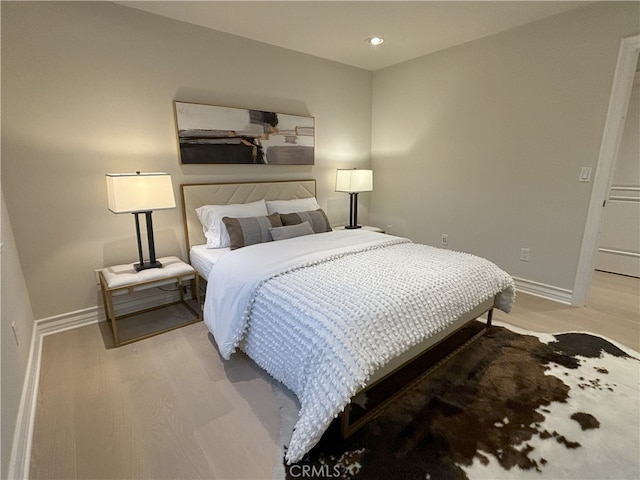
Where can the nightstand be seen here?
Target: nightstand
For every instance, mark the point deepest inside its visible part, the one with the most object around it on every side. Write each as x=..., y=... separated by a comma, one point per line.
x=364, y=227
x=120, y=279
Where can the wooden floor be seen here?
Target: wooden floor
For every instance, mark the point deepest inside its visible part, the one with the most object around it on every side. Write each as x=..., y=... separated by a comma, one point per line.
x=613, y=311
x=170, y=407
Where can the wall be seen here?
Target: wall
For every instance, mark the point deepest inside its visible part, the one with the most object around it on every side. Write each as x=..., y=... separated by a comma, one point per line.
x=490, y=137
x=16, y=307
x=88, y=88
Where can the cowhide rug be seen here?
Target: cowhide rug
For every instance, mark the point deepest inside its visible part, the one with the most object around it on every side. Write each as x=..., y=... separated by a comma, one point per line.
x=513, y=404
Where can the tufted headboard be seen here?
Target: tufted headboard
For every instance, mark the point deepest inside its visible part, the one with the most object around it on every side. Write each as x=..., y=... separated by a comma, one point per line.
x=197, y=195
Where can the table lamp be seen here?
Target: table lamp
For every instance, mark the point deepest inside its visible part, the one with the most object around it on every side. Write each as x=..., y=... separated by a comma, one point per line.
x=138, y=193
x=354, y=181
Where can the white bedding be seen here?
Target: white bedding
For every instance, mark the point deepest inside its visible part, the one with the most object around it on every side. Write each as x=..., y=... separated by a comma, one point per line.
x=203, y=258
x=322, y=312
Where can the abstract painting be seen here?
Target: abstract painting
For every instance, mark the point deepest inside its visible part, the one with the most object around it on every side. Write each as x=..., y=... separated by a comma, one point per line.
x=209, y=134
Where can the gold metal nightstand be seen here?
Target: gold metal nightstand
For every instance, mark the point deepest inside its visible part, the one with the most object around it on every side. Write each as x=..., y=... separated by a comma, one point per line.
x=121, y=279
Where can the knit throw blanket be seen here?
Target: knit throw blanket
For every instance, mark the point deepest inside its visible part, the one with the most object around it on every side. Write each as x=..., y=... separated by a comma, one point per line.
x=322, y=328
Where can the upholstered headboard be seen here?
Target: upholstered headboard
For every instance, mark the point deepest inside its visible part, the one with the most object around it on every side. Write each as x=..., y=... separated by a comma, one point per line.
x=197, y=195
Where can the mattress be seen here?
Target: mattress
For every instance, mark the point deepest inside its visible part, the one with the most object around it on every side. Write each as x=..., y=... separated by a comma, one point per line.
x=203, y=258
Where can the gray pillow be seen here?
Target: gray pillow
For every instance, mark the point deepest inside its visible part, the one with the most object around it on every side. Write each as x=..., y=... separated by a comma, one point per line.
x=316, y=218
x=291, y=231
x=251, y=230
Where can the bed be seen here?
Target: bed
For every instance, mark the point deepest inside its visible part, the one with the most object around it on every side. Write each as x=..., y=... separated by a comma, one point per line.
x=327, y=313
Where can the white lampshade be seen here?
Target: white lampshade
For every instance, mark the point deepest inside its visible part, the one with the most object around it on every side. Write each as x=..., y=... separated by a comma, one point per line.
x=352, y=180
x=139, y=192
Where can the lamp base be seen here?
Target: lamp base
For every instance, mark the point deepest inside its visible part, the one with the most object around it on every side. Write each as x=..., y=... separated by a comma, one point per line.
x=352, y=227
x=145, y=266
x=152, y=263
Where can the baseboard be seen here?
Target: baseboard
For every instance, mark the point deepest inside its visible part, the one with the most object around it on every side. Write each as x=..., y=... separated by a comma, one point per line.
x=21, y=449
x=545, y=291
x=20, y=460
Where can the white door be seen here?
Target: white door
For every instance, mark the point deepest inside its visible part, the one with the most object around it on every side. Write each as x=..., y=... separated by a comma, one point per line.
x=619, y=242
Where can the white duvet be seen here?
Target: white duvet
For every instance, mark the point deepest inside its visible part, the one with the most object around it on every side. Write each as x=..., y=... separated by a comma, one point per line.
x=321, y=313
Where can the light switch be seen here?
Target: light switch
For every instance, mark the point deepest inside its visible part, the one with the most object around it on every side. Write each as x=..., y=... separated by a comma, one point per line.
x=585, y=174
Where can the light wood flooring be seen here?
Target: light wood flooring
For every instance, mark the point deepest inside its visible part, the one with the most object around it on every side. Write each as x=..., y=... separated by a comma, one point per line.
x=613, y=311
x=171, y=407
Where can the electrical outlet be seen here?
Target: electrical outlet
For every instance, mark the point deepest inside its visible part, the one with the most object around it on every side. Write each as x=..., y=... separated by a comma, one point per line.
x=15, y=332
x=524, y=254
x=389, y=229
x=445, y=239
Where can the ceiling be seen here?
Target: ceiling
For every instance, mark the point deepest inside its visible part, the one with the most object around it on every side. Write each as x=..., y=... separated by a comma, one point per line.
x=337, y=30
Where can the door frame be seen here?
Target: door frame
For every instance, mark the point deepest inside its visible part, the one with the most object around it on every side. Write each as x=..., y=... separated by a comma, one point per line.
x=611, y=138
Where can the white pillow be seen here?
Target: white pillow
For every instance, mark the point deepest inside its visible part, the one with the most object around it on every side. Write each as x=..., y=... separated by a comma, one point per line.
x=211, y=218
x=292, y=206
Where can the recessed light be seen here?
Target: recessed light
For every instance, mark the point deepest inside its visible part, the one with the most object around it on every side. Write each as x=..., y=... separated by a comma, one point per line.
x=375, y=41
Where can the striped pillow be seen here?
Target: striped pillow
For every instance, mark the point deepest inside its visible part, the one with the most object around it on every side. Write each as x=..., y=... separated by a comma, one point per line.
x=251, y=230
x=291, y=231
x=316, y=218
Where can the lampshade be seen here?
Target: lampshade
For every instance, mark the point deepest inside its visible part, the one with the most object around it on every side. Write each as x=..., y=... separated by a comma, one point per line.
x=139, y=192
x=352, y=180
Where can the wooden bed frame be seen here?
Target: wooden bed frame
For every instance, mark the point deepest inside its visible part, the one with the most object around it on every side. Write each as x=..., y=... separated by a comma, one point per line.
x=197, y=195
